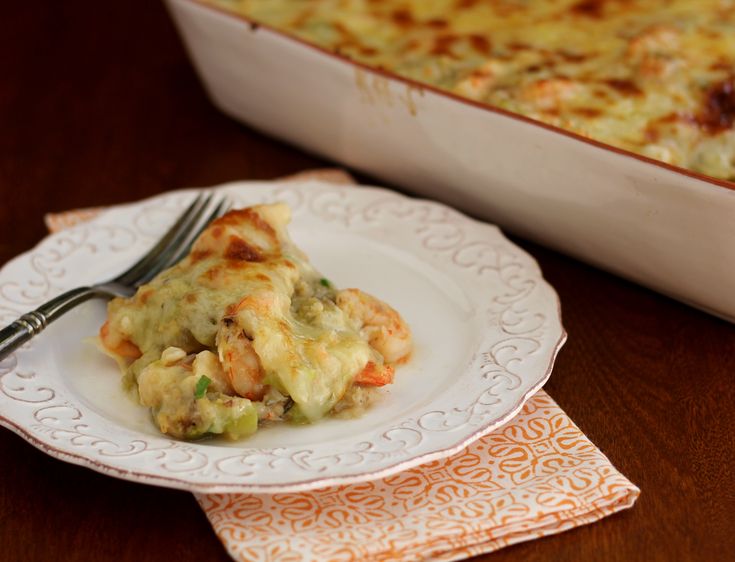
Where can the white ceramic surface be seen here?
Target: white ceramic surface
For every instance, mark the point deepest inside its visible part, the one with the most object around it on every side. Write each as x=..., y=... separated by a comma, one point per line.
x=661, y=226
x=486, y=325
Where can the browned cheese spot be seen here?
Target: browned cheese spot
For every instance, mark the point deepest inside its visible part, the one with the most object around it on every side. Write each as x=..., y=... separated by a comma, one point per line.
x=411, y=45
x=516, y=46
x=443, y=45
x=589, y=8
x=199, y=255
x=230, y=313
x=480, y=43
x=719, y=107
x=403, y=18
x=144, y=296
x=589, y=112
x=626, y=87
x=722, y=65
x=651, y=133
x=437, y=23
x=213, y=273
x=239, y=250
x=572, y=57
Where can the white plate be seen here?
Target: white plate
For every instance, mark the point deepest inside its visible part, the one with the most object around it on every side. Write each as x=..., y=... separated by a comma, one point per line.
x=487, y=328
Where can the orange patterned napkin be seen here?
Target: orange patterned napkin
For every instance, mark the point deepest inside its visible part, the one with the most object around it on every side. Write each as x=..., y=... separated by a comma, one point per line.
x=536, y=476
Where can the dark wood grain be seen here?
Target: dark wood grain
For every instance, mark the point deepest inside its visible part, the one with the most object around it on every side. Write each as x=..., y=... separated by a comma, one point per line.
x=99, y=105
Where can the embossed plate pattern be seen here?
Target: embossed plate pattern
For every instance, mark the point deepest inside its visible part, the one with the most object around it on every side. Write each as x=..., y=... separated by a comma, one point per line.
x=487, y=329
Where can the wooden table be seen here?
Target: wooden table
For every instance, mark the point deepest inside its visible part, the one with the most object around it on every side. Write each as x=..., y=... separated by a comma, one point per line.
x=99, y=105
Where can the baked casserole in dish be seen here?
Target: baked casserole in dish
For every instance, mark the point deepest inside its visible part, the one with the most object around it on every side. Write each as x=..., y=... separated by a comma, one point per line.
x=601, y=128
x=656, y=77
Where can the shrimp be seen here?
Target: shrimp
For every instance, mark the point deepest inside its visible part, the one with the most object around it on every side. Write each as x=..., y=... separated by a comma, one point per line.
x=549, y=93
x=239, y=360
x=375, y=375
x=117, y=344
x=654, y=51
x=480, y=81
x=379, y=324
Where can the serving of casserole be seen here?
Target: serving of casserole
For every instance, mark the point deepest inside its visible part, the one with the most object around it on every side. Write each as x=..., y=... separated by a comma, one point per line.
x=244, y=330
x=603, y=129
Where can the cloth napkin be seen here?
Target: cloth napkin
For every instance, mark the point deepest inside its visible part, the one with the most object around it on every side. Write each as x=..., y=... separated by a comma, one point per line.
x=536, y=476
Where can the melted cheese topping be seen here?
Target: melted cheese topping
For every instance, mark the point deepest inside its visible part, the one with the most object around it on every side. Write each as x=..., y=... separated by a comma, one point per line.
x=244, y=328
x=656, y=77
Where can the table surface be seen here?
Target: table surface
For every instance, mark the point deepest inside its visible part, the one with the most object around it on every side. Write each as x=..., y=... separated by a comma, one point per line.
x=99, y=105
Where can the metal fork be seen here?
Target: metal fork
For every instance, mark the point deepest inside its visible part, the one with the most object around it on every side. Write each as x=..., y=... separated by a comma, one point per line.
x=173, y=246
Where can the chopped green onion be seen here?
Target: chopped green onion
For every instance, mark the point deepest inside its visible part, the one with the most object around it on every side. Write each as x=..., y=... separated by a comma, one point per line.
x=325, y=282
x=201, y=388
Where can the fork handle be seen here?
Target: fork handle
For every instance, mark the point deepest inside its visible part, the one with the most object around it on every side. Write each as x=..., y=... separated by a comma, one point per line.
x=34, y=322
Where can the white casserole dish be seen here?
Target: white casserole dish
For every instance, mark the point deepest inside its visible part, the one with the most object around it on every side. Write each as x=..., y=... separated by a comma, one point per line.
x=661, y=226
